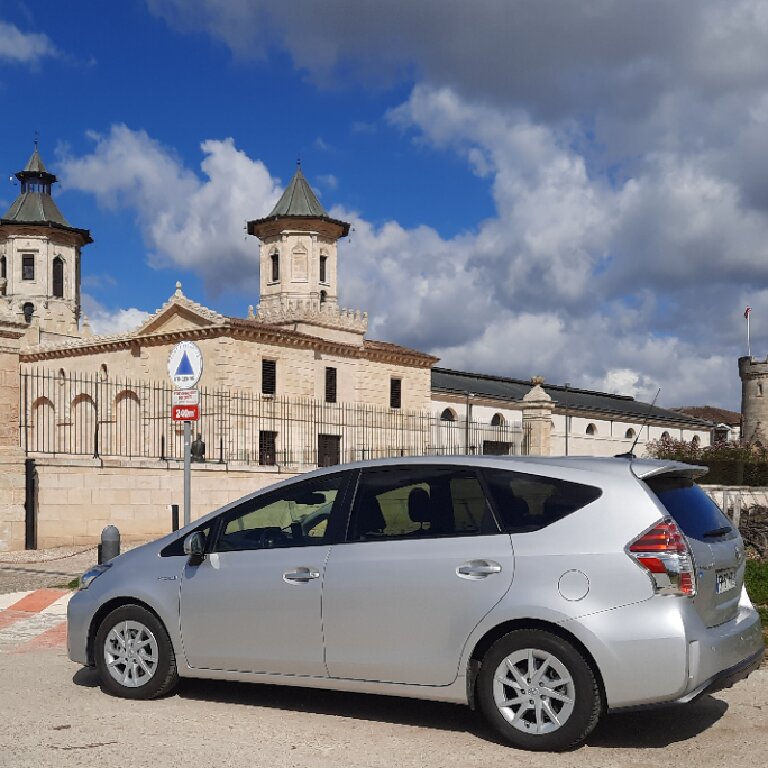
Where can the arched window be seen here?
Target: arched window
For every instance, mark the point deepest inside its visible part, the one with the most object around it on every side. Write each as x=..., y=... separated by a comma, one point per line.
x=127, y=424
x=665, y=435
x=103, y=372
x=591, y=429
x=43, y=434
x=497, y=420
x=3, y=267
x=695, y=441
x=630, y=434
x=28, y=309
x=58, y=278
x=323, y=268
x=323, y=297
x=275, y=259
x=447, y=415
x=83, y=429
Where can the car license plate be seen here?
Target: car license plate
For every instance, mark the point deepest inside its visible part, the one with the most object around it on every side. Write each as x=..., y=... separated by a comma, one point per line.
x=725, y=580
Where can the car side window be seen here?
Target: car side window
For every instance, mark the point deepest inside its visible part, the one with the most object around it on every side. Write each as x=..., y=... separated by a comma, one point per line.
x=419, y=502
x=526, y=502
x=294, y=516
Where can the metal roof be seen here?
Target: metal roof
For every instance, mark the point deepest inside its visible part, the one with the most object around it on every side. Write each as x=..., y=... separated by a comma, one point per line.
x=298, y=199
x=35, y=208
x=35, y=163
x=574, y=399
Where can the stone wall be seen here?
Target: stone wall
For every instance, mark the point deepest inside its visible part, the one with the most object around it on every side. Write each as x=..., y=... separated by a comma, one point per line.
x=78, y=497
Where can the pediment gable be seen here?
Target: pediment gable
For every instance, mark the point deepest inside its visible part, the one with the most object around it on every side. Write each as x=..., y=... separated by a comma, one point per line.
x=179, y=314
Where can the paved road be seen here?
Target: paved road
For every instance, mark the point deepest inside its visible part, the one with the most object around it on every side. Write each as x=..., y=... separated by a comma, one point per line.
x=52, y=713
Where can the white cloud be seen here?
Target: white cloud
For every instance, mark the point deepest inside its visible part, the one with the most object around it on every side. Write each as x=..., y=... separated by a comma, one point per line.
x=23, y=47
x=187, y=221
x=105, y=322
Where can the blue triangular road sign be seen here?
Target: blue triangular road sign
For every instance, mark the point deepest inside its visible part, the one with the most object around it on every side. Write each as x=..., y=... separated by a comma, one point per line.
x=185, y=367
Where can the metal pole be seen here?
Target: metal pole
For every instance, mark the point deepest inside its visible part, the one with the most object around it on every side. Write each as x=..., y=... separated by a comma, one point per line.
x=566, y=417
x=187, y=471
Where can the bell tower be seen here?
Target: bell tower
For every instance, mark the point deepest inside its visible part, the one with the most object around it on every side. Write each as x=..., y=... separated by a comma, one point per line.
x=298, y=267
x=40, y=258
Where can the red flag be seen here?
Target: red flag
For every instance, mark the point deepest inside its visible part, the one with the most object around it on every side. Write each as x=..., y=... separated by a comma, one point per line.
x=746, y=313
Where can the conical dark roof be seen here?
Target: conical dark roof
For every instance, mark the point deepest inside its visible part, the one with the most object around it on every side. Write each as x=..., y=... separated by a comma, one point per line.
x=298, y=202
x=298, y=199
x=34, y=205
x=35, y=164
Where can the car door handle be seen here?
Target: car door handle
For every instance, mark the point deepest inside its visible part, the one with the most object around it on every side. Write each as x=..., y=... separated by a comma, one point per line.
x=300, y=575
x=478, y=569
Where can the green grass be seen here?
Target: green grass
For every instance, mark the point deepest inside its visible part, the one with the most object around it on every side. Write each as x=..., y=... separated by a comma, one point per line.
x=756, y=580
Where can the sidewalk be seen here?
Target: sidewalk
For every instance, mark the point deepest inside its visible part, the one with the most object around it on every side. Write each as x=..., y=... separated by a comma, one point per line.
x=27, y=570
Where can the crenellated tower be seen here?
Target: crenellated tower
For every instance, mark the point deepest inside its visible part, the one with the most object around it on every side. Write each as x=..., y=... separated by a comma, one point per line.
x=298, y=267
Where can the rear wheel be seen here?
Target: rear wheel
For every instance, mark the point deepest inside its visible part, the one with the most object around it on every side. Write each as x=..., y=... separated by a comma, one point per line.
x=538, y=691
x=134, y=655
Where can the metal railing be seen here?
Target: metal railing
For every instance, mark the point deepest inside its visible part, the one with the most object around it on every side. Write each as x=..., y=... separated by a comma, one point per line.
x=89, y=415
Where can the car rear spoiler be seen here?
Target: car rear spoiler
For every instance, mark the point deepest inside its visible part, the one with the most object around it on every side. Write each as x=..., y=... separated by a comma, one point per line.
x=645, y=470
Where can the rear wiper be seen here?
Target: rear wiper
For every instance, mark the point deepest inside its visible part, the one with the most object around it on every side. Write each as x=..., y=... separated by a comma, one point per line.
x=718, y=532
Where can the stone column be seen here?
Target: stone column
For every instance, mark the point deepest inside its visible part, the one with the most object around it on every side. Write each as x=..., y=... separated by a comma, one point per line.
x=537, y=419
x=11, y=455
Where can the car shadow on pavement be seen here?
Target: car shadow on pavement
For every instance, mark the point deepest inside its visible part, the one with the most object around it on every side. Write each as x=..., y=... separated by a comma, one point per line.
x=657, y=728
x=649, y=729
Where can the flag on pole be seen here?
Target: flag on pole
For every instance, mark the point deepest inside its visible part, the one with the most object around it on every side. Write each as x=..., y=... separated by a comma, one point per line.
x=746, y=313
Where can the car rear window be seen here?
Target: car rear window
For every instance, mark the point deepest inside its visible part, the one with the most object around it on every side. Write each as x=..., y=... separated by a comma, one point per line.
x=696, y=514
x=528, y=502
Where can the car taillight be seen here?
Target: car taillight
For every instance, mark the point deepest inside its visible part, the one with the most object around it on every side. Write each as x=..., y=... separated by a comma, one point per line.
x=664, y=553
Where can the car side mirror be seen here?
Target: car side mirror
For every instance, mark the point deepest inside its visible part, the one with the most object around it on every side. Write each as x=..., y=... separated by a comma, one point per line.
x=194, y=547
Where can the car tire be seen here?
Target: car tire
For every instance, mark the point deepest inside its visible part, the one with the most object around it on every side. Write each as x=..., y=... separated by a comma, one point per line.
x=134, y=655
x=538, y=691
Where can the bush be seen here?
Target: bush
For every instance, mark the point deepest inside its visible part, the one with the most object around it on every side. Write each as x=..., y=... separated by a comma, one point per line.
x=729, y=463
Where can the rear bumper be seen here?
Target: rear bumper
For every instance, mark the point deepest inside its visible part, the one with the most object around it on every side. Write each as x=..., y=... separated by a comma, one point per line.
x=727, y=677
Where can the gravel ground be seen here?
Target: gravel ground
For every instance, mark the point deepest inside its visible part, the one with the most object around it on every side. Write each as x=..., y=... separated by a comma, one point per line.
x=54, y=714
x=37, y=568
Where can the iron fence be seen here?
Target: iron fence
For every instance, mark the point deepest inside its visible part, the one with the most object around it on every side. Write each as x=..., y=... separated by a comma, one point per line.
x=90, y=415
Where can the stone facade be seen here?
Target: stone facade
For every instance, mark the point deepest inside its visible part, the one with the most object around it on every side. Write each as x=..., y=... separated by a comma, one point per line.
x=754, y=400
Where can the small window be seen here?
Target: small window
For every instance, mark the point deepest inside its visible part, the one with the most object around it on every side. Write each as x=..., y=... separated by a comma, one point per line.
x=497, y=420
x=395, y=393
x=3, y=267
x=759, y=386
x=29, y=310
x=447, y=415
x=630, y=434
x=532, y=502
x=27, y=266
x=323, y=269
x=330, y=385
x=267, y=448
x=58, y=278
x=294, y=516
x=695, y=441
x=275, y=267
x=591, y=430
x=665, y=435
x=269, y=377
x=423, y=502
x=323, y=297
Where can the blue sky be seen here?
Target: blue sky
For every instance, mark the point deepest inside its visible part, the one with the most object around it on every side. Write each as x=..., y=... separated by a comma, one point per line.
x=573, y=190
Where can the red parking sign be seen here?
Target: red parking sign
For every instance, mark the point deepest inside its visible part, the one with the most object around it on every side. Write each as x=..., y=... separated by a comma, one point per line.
x=185, y=413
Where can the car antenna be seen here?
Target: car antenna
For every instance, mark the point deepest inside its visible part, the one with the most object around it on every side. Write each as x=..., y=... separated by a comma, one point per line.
x=630, y=454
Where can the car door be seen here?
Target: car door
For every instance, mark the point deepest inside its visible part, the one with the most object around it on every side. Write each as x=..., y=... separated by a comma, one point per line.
x=424, y=561
x=253, y=604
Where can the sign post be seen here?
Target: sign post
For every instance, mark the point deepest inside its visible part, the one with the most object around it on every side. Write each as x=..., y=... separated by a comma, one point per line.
x=185, y=367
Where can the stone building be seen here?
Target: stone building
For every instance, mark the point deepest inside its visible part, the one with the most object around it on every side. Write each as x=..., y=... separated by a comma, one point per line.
x=754, y=400
x=40, y=259
x=294, y=384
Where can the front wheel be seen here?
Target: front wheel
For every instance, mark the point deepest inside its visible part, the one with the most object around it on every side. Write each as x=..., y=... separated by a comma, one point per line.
x=538, y=691
x=134, y=655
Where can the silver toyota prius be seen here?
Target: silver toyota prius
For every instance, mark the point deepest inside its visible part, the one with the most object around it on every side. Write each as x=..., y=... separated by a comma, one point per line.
x=542, y=591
